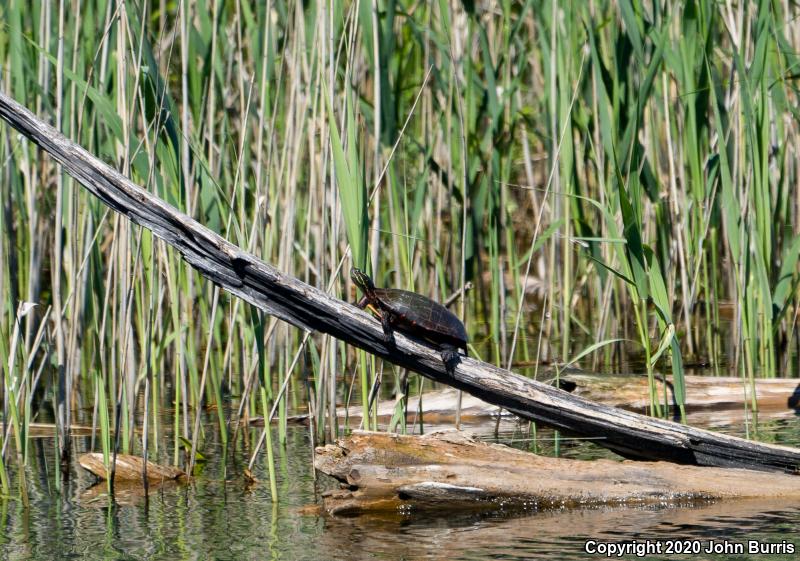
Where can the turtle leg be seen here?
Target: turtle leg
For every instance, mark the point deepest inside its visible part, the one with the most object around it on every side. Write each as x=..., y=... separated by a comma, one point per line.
x=362, y=303
x=450, y=357
x=388, y=330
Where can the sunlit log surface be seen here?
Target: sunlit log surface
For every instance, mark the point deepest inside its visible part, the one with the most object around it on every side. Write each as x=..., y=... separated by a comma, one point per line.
x=447, y=470
x=307, y=307
x=129, y=468
x=716, y=392
x=724, y=395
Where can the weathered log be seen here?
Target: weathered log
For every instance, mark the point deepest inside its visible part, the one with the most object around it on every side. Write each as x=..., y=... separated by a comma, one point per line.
x=129, y=468
x=437, y=406
x=48, y=430
x=718, y=392
x=450, y=470
x=627, y=392
x=309, y=308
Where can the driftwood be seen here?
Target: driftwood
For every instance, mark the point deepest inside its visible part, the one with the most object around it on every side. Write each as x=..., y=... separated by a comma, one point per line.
x=48, y=430
x=129, y=468
x=717, y=392
x=437, y=407
x=309, y=308
x=627, y=392
x=446, y=470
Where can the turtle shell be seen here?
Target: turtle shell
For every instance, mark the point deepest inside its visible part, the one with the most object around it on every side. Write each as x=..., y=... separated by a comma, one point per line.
x=419, y=315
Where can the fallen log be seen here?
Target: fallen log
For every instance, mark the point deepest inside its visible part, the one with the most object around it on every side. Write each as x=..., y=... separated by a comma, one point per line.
x=434, y=407
x=627, y=392
x=48, y=430
x=450, y=470
x=718, y=392
x=129, y=468
x=309, y=308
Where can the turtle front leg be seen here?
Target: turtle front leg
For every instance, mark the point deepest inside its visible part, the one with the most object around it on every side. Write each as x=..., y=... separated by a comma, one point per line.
x=388, y=329
x=450, y=357
x=362, y=303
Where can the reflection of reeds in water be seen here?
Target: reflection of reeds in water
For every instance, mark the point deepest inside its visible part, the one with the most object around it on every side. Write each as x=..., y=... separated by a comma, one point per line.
x=632, y=169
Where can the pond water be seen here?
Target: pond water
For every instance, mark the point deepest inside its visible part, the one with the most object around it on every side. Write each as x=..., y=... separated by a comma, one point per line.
x=218, y=516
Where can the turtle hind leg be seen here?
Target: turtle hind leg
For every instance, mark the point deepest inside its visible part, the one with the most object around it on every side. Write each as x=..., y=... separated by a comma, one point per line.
x=450, y=357
x=388, y=330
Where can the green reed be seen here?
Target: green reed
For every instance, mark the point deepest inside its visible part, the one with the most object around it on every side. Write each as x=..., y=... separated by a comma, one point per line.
x=610, y=176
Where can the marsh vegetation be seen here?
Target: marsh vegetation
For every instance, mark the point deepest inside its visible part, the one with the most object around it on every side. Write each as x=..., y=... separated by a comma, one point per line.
x=617, y=180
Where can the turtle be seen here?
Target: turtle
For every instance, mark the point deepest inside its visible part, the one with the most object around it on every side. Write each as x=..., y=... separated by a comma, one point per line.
x=414, y=314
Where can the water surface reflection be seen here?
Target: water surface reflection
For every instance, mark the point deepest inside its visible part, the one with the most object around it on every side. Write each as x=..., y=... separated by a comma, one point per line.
x=218, y=516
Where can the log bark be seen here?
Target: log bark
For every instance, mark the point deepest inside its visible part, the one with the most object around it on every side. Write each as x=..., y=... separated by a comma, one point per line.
x=309, y=308
x=450, y=470
x=129, y=468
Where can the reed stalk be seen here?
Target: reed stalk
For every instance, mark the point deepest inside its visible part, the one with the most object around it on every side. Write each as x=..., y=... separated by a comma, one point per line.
x=602, y=172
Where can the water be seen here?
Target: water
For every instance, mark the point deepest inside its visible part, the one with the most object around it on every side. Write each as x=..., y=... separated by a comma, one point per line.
x=218, y=516
x=565, y=534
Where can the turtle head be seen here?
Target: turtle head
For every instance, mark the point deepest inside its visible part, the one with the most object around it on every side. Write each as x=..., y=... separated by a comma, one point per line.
x=362, y=280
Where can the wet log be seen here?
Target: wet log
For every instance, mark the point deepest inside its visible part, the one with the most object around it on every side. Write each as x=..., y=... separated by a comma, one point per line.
x=309, y=308
x=129, y=468
x=450, y=470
